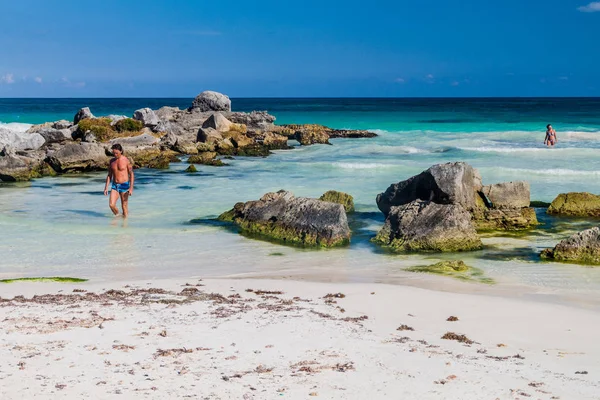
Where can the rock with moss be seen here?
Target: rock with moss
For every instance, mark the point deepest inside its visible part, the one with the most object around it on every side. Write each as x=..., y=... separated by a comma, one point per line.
x=575, y=204
x=19, y=168
x=582, y=247
x=511, y=219
x=209, y=136
x=152, y=158
x=308, y=131
x=342, y=198
x=191, y=169
x=292, y=220
x=82, y=114
x=539, y=204
x=78, y=157
x=453, y=268
x=273, y=141
x=308, y=137
x=427, y=226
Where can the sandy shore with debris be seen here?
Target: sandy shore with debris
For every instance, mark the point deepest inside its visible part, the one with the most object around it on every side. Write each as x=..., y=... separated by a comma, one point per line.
x=267, y=339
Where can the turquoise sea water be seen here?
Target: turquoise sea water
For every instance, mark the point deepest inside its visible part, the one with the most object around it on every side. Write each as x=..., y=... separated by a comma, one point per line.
x=61, y=226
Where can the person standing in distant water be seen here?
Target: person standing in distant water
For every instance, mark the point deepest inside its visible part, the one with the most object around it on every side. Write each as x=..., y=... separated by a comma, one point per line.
x=551, y=138
x=120, y=179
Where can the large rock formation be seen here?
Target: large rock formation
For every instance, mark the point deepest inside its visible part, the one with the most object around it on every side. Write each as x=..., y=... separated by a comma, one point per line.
x=576, y=205
x=75, y=157
x=428, y=226
x=450, y=183
x=20, y=141
x=582, y=247
x=505, y=206
x=211, y=101
x=508, y=195
x=294, y=220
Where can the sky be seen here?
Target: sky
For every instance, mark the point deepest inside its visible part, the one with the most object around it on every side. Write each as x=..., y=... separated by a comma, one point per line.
x=309, y=48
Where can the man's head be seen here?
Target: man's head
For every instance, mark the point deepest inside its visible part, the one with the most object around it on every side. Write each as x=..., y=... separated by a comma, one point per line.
x=117, y=149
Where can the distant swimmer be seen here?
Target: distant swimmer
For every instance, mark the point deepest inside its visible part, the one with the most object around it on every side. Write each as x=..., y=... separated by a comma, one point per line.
x=120, y=180
x=551, y=138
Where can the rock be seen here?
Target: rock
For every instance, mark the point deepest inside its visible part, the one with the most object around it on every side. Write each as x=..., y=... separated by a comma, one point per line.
x=340, y=198
x=225, y=147
x=255, y=119
x=191, y=169
x=273, y=141
x=351, y=134
x=427, y=226
x=582, y=247
x=152, y=158
x=306, y=138
x=209, y=135
x=211, y=101
x=39, y=127
x=206, y=158
x=89, y=137
x=443, y=267
x=321, y=131
x=202, y=147
x=221, y=124
x=238, y=139
x=82, y=114
x=507, y=195
x=146, y=116
x=20, y=141
x=505, y=219
x=134, y=143
x=292, y=220
x=52, y=135
x=116, y=118
x=167, y=113
x=78, y=157
x=185, y=148
x=450, y=183
x=62, y=124
x=575, y=204
x=16, y=168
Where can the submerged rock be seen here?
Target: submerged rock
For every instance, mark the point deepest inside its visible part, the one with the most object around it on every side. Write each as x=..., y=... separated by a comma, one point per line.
x=456, y=269
x=344, y=199
x=450, y=183
x=191, y=169
x=575, y=204
x=582, y=247
x=206, y=158
x=427, y=226
x=293, y=220
x=211, y=101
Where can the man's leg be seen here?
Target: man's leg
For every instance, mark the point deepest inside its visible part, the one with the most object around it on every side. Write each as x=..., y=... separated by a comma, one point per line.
x=125, y=203
x=112, y=202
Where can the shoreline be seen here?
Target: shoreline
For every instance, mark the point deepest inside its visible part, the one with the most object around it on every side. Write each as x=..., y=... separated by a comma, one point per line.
x=252, y=345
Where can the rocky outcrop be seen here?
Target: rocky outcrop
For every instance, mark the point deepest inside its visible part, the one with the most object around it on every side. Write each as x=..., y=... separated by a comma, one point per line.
x=507, y=195
x=582, y=247
x=211, y=101
x=292, y=220
x=147, y=117
x=78, y=157
x=218, y=122
x=253, y=120
x=320, y=133
x=342, y=198
x=575, y=204
x=20, y=141
x=306, y=138
x=15, y=168
x=82, y=114
x=450, y=183
x=428, y=226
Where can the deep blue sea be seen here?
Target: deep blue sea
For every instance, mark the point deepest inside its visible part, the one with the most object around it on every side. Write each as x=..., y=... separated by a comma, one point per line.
x=61, y=226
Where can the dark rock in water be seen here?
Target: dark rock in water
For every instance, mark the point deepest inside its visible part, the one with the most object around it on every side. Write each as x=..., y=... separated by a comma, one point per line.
x=488, y=219
x=539, y=204
x=206, y=158
x=77, y=157
x=146, y=116
x=450, y=183
x=211, y=101
x=576, y=205
x=320, y=131
x=427, y=226
x=152, y=158
x=191, y=169
x=582, y=247
x=507, y=194
x=293, y=220
x=344, y=199
x=83, y=114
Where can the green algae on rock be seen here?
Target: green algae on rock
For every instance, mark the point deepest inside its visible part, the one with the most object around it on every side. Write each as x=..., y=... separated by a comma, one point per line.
x=45, y=279
x=539, y=204
x=575, y=204
x=283, y=218
x=342, y=198
x=581, y=248
x=456, y=269
x=191, y=169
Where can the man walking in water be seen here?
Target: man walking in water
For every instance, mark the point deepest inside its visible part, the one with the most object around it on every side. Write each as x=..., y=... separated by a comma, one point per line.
x=120, y=178
x=550, y=139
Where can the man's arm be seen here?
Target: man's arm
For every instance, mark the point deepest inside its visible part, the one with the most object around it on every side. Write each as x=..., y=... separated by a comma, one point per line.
x=131, y=177
x=108, y=179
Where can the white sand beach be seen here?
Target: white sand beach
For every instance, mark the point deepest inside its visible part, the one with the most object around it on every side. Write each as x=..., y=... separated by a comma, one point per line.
x=225, y=339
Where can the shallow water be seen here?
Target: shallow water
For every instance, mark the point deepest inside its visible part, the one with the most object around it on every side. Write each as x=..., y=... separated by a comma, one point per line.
x=62, y=226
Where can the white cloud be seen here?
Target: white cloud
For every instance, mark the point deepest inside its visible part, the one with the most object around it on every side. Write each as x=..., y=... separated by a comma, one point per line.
x=38, y=79
x=400, y=80
x=7, y=78
x=590, y=8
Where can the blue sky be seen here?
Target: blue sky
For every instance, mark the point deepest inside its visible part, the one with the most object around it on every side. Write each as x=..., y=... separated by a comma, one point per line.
x=259, y=48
